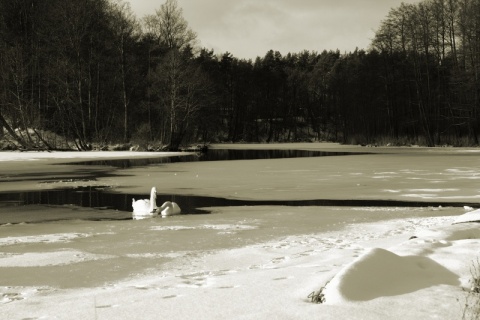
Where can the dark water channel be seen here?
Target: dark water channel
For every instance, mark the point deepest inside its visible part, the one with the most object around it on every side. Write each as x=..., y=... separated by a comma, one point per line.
x=217, y=155
x=102, y=198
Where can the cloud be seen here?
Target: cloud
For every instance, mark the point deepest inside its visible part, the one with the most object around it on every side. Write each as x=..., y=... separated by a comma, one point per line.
x=249, y=28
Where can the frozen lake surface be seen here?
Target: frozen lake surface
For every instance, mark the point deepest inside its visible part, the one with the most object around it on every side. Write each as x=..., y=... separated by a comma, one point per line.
x=267, y=239
x=103, y=197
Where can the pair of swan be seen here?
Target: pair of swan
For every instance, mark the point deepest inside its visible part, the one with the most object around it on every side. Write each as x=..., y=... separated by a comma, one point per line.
x=147, y=208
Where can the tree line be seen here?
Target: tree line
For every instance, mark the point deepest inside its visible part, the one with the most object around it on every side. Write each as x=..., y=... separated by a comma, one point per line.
x=74, y=73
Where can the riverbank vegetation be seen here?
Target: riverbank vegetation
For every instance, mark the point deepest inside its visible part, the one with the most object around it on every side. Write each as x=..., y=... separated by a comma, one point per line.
x=74, y=74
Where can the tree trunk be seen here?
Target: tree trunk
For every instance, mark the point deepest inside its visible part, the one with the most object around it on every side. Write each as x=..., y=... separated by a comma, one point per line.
x=4, y=123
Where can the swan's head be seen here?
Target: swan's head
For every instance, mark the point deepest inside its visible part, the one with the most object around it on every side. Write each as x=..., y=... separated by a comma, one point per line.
x=154, y=191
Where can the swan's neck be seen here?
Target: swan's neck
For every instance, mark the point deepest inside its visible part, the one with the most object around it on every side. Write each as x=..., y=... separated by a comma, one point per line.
x=166, y=205
x=153, y=201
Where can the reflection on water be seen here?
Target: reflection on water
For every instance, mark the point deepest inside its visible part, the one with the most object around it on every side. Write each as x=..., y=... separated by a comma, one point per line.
x=216, y=155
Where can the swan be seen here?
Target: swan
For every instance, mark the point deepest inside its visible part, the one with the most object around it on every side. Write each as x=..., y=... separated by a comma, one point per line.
x=145, y=208
x=169, y=209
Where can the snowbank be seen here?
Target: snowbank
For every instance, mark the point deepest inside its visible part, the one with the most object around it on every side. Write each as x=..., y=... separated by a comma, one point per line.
x=381, y=273
x=424, y=277
x=472, y=216
x=440, y=259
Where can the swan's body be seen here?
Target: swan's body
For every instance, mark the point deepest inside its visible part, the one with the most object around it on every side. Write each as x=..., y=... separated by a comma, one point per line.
x=169, y=209
x=145, y=208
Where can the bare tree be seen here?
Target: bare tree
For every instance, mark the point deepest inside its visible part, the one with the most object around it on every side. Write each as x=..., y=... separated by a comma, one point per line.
x=175, y=73
x=170, y=27
x=125, y=27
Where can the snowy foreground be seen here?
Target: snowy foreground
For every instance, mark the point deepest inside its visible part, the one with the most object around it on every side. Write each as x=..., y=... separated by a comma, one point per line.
x=245, y=263
x=374, y=273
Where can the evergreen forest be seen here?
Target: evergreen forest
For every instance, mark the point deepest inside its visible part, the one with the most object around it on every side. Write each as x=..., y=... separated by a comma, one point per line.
x=75, y=74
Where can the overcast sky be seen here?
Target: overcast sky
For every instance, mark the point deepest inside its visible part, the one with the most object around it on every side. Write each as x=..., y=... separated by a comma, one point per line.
x=249, y=28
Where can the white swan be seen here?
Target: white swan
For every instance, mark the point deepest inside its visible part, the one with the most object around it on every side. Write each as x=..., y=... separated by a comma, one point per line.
x=169, y=209
x=145, y=208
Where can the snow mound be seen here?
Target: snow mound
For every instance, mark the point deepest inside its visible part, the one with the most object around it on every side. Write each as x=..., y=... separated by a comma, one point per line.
x=472, y=216
x=380, y=273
